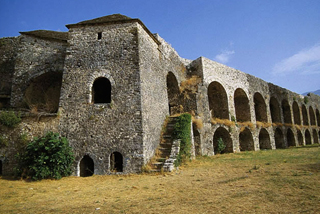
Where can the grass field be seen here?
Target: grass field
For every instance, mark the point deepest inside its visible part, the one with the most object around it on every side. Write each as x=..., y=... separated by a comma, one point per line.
x=277, y=181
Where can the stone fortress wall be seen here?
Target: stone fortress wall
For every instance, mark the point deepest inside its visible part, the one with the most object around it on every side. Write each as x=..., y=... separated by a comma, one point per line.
x=108, y=84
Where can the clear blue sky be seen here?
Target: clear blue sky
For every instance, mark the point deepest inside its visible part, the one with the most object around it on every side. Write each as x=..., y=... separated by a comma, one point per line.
x=275, y=40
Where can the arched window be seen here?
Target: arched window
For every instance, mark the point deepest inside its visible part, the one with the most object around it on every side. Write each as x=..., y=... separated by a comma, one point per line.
x=242, y=106
x=318, y=117
x=264, y=139
x=116, y=162
x=275, y=110
x=101, y=90
x=312, y=116
x=305, y=115
x=296, y=113
x=86, y=166
x=286, y=112
x=260, y=108
x=218, y=101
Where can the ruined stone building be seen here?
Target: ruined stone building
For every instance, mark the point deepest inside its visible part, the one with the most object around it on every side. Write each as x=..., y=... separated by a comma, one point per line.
x=108, y=84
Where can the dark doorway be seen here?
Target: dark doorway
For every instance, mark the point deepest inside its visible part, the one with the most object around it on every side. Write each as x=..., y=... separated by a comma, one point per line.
x=225, y=136
x=242, y=106
x=300, y=138
x=275, y=110
x=173, y=93
x=290, y=138
x=116, y=162
x=308, y=137
x=246, y=140
x=196, y=138
x=86, y=166
x=218, y=101
x=101, y=91
x=260, y=108
x=264, y=139
x=278, y=137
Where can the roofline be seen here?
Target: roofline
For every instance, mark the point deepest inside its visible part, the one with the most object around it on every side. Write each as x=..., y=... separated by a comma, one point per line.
x=118, y=22
x=32, y=33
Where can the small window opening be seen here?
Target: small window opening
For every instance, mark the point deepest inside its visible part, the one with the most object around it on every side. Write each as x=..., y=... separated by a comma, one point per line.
x=99, y=35
x=116, y=162
x=86, y=166
x=101, y=91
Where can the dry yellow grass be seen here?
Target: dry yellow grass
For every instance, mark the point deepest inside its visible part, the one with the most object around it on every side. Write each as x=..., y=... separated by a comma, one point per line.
x=274, y=181
x=222, y=121
x=197, y=122
x=263, y=124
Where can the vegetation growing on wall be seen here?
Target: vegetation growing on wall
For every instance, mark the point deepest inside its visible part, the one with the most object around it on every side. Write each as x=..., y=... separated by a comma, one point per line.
x=9, y=118
x=182, y=131
x=47, y=157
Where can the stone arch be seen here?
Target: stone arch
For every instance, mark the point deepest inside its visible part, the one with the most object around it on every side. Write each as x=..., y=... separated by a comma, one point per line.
x=218, y=101
x=260, y=108
x=290, y=138
x=279, y=140
x=305, y=116
x=116, y=162
x=286, y=111
x=312, y=116
x=225, y=135
x=93, y=77
x=300, y=138
x=315, y=137
x=242, y=107
x=246, y=140
x=43, y=92
x=196, y=139
x=173, y=93
x=275, y=110
x=307, y=137
x=318, y=117
x=86, y=166
x=264, y=139
x=296, y=113
x=101, y=91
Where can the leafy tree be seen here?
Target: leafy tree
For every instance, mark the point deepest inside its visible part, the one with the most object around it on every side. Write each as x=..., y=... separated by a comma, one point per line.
x=46, y=157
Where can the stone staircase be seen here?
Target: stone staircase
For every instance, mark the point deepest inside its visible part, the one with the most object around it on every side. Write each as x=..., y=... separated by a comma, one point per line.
x=166, y=151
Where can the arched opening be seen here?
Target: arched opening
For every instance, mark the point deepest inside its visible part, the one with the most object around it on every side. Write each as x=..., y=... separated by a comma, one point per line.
x=308, y=137
x=116, y=162
x=300, y=138
x=275, y=110
x=286, y=111
x=101, y=90
x=43, y=92
x=218, y=101
x=0, y=167
x=315, y=137
x=246, y=140
x=242, y=106
x=312, y=116
x=296, y=113
x=86, y=166
x=278, y=137
x=260, y=108
x=196, y=139
x=173, y=93
x=225, y=136
x=318, y=117
x=290, y=138
x=264, y=139
x=305, y=115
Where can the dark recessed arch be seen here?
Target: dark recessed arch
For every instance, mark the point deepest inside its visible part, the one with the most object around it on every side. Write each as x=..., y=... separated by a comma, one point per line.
x=264, y=139
x=86, y=166
x=218, y=101
x=246, y=140
x=315, y=137
x=307, y=137
x=300, y=138
x=279, y=140
x=260, y=108
x=275, y=110
x=286, y=111
x=318, y=117
x=173, y=93
x=290, y=138
x=312, y=116
x=296, y=113
x=101, y=90
x=242, y=106
x=225, y=136
x=116, y=162
x=196, y=138
x=305, y=116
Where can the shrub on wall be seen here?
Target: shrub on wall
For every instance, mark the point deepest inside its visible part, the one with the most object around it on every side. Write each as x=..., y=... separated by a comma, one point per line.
x=182, y=131
x=46, y=157
x=9, y=118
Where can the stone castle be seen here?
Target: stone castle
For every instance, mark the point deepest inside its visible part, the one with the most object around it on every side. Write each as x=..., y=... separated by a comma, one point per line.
x=108, y=84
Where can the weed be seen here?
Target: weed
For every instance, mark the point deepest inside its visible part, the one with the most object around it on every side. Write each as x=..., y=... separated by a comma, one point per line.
x=221, y=146
x=10, y=118
x=197, y=122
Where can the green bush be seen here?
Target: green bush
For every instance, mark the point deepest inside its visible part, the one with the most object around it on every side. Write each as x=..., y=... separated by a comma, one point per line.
x=9, y=118
x=221, y=146
x=46, y=157
x=182, y=131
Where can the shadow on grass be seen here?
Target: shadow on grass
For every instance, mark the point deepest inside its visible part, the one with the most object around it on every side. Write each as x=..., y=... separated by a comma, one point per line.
x=315, y=167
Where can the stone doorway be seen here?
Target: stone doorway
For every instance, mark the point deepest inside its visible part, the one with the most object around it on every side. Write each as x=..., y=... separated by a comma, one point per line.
x=116, y=162
x=86, y=166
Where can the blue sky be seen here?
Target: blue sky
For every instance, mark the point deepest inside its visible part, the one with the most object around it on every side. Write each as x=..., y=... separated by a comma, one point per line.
x=275, y=40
